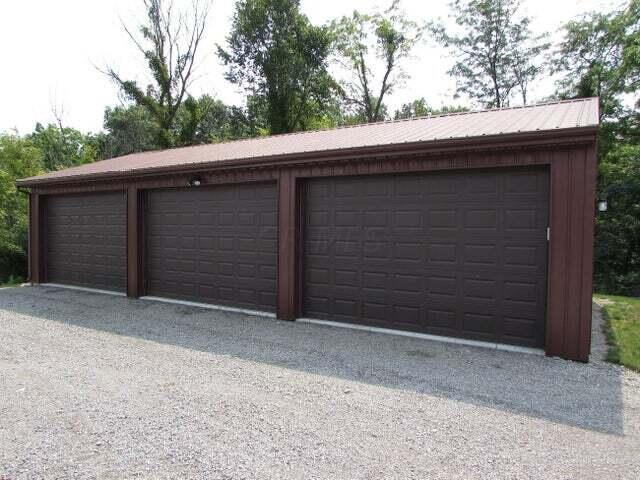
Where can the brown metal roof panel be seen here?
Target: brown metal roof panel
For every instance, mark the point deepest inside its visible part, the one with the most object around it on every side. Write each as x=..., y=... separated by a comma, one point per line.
x=543, y=117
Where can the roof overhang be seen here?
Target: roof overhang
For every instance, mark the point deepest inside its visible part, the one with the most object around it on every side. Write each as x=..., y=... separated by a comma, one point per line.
x=520, y=140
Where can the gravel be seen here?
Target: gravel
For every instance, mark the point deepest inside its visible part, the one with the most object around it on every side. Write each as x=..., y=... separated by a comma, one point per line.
x=97, y=386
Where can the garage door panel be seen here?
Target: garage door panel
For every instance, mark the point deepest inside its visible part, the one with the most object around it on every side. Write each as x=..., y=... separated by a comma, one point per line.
x=455, y=253
x=525, y=187
x=375, y=311
x=214, y=245
x=375, y=279
x=316, y=304
x=520, y=329
x=407, y=317
x=475, y=322
x=85, y=240
x=524, y=256
x=481, y=255
x=441, y=317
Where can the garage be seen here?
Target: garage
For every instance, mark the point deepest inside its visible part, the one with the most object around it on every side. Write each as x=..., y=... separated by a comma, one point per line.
x=474, y=227
x=213, y=245
x=86, y=240
x=459, y=254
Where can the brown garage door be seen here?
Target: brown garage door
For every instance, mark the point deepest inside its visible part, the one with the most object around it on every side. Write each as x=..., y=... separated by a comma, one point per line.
x=456, y=254
x=213, y=245
x=86, y=240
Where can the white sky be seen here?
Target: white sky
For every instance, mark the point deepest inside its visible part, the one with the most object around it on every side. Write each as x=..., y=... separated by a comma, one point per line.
x=50, y=50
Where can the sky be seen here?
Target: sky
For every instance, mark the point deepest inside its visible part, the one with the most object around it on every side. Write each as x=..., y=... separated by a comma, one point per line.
x=52, y=53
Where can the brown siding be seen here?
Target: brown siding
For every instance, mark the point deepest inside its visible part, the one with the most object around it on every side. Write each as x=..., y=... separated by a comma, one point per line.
x=570, y=253
x=287, y=230
x=134, y=241
x=35, y=239
x=584, y=336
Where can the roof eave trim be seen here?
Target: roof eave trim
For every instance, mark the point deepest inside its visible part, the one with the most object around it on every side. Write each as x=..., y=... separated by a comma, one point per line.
x=530, y=139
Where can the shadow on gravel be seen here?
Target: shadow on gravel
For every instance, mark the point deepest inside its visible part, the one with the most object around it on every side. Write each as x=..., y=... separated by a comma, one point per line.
x=584, y=396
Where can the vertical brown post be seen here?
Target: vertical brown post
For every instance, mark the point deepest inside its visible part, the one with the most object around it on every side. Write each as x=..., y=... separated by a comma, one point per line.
x=134, y=221
x=588, y=225
x=573, y=178
x=29, y=230
x=35, y=237
x=287, y=234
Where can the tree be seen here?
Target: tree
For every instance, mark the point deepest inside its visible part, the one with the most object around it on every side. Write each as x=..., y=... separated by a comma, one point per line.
x=630, y=68
x=280, y=59
x=128, y=129
x=63, y=147
x=526, y=65
x=19, y=158
x=599, y=56
x=362, y=40
x=208, y=120
x=420, y=108
x=496, y=53
x=617, y=246
x=169, y=42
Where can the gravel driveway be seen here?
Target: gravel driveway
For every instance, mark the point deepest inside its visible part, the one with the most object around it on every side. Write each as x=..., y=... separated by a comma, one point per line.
x=97, y=386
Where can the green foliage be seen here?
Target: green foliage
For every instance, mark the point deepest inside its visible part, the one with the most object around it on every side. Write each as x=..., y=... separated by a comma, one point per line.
x=625, y=129
x=420, y=108
x=280, y=59
x=629, y=70
x=208, y=120
x=617, y=247
x=12, y=282
x=362, y=41
x=19, y=158
x=127, y=130
x=622, y=328
x=63, y=147
x=599, y=56
x=130, y=129
x=496, y=52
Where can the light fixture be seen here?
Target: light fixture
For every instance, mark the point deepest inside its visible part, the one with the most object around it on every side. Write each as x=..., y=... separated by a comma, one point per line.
x=195, y=181
x=602, y=205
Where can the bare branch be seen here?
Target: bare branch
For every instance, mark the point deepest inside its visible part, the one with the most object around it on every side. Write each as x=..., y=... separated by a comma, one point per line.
x=57, y=110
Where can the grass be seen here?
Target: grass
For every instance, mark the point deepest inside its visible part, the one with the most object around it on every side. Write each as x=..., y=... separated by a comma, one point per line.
x=12, y=282
x=622, y=328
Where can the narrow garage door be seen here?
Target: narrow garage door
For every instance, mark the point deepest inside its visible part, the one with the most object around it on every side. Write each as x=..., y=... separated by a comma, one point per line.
x=86, y=240
x=455, y=254
x=213, y=245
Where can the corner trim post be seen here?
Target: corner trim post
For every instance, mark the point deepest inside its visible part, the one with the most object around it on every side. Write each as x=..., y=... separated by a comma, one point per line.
x=287, y=246
x=134, y=241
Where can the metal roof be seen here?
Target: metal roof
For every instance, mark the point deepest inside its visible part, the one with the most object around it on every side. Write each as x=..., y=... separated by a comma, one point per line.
x=563, y=115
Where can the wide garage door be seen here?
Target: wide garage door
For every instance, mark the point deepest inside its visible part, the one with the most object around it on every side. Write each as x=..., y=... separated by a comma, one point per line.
x=85, y=238
x=455, y=254
x=213, y=245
